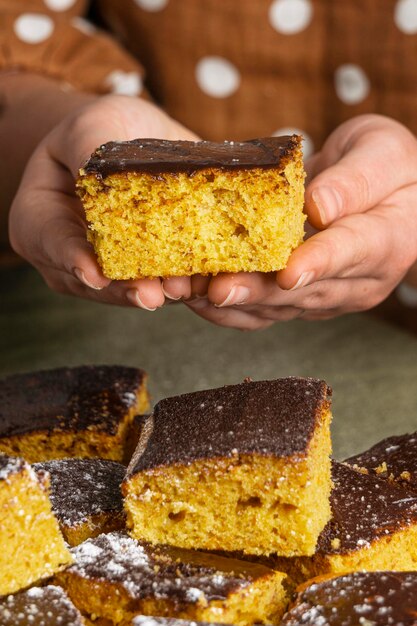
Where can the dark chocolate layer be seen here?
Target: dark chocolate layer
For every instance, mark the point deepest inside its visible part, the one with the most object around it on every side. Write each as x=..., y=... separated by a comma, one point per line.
x=364, y=509
x=40, y=606
x=276, y=418
x=181, y=576
x=400, y=456
x=363, y=598
x=158, y=156
x=10, y=465
x=81, y=488
x=72, y=399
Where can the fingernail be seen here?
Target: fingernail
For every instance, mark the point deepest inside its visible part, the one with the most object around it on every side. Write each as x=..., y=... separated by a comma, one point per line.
x=133, y=297
x=329, y=203
x=237, y=295
x=198, y=303
x=167, y=295
x=305, y=279
x=82, y=278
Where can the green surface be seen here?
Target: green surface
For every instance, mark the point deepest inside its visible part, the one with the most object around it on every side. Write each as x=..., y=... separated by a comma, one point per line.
x=371, y=366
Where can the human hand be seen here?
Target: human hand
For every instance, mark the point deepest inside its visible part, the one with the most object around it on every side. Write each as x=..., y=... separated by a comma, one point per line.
x=47, y=225
x=361, y=196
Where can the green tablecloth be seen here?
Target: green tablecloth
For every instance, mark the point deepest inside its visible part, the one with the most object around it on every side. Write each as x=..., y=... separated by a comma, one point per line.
x=371, y=366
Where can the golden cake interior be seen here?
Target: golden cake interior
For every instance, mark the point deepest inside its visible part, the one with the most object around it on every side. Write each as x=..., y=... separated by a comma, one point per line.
x=31, y=544
x=266, y=503
x=212, y=221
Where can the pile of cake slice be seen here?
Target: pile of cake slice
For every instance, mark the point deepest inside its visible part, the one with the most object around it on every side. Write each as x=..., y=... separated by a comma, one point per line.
x=222, y=506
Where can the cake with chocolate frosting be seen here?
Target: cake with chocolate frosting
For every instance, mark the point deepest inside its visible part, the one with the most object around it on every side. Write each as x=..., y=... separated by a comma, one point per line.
x=393, y=459
x=85, y=496
x=70, y=412
x=31, y=544
x=39, y=606
x=149, y=620
x=158, y=208
x=242, y=467
x=114, y=578
x=373, y=527
x=359, y=599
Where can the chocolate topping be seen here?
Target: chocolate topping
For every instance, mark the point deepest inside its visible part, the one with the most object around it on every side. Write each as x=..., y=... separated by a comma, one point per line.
x=10, y=465
x=364, y=509
x=158, y=156
x=181, y=576
x=400, y=456
x=81, y=488
x=39, y=606
x=360, y=599
x=146, y=620
x=276, y=418
x=73, y=399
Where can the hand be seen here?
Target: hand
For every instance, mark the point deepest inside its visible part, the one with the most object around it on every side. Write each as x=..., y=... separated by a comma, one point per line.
x=361, y=196
x=46, y=223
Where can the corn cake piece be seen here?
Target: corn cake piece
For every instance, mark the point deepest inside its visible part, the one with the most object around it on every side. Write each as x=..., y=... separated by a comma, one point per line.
x=244, y=467
x=31, y=544
x=177, y=208
x=359, y=599
x=373, y=527
x=70, y=412
x=114, y=577
x=393, y=459
x=85, y=496
x=39, y=606
x=148, y=620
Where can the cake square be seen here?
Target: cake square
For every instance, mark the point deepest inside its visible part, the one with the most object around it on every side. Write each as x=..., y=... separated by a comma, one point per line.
x=361, y=598
x=85, y=496
x=176, y=208
x=39, y=606
x=115, y=578
x=373, y=527
x=240, y=468
x=31, y=544
x=70, y=412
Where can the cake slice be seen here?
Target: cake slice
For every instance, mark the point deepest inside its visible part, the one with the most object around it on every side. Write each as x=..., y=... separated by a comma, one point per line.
x=373, y=527
x=244, y=467
x=114, y=578
x=70, y=412
x=359, y=599
x=148, y=620
x=177, y=208
x=393, y=459
x=31, y=544
x=39, y=606
x=85, y=496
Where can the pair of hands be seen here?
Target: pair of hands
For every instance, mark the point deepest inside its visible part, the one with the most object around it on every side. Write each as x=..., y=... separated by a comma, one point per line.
x=360, y=198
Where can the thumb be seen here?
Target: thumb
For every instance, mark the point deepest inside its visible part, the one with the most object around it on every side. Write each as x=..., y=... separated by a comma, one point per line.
x=362, y=164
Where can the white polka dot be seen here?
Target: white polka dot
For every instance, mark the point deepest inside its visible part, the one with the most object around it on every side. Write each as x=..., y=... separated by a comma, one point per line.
x=125, y=83
x=407, y=295
x=83, y=25
x=33, y=27
x=351, y=84
x=308, y=146
x=217, y=77
x=405, y=16
x=59, y=5
x=152, y=5
x=290, y=16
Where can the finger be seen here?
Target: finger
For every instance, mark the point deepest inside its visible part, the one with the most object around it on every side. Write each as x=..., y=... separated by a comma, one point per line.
x=355, y=175
x=227, y=290
x=228, y=317
x=177, y=287
x=199, y=285
x=146, y=293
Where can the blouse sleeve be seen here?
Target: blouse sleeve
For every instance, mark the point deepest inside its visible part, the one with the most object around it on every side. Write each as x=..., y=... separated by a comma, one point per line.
x=52, y=37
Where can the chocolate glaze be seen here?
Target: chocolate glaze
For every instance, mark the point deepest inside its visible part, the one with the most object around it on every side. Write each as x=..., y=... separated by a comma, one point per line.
x=73, y=399
x=39, y=606
x=147, y=620
x=363, y=598
x=364, y=509
x=81, y=488
x=400, y=455
x=182, y=576
x=10, y=465
x=276, y=418
x=158, y=156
